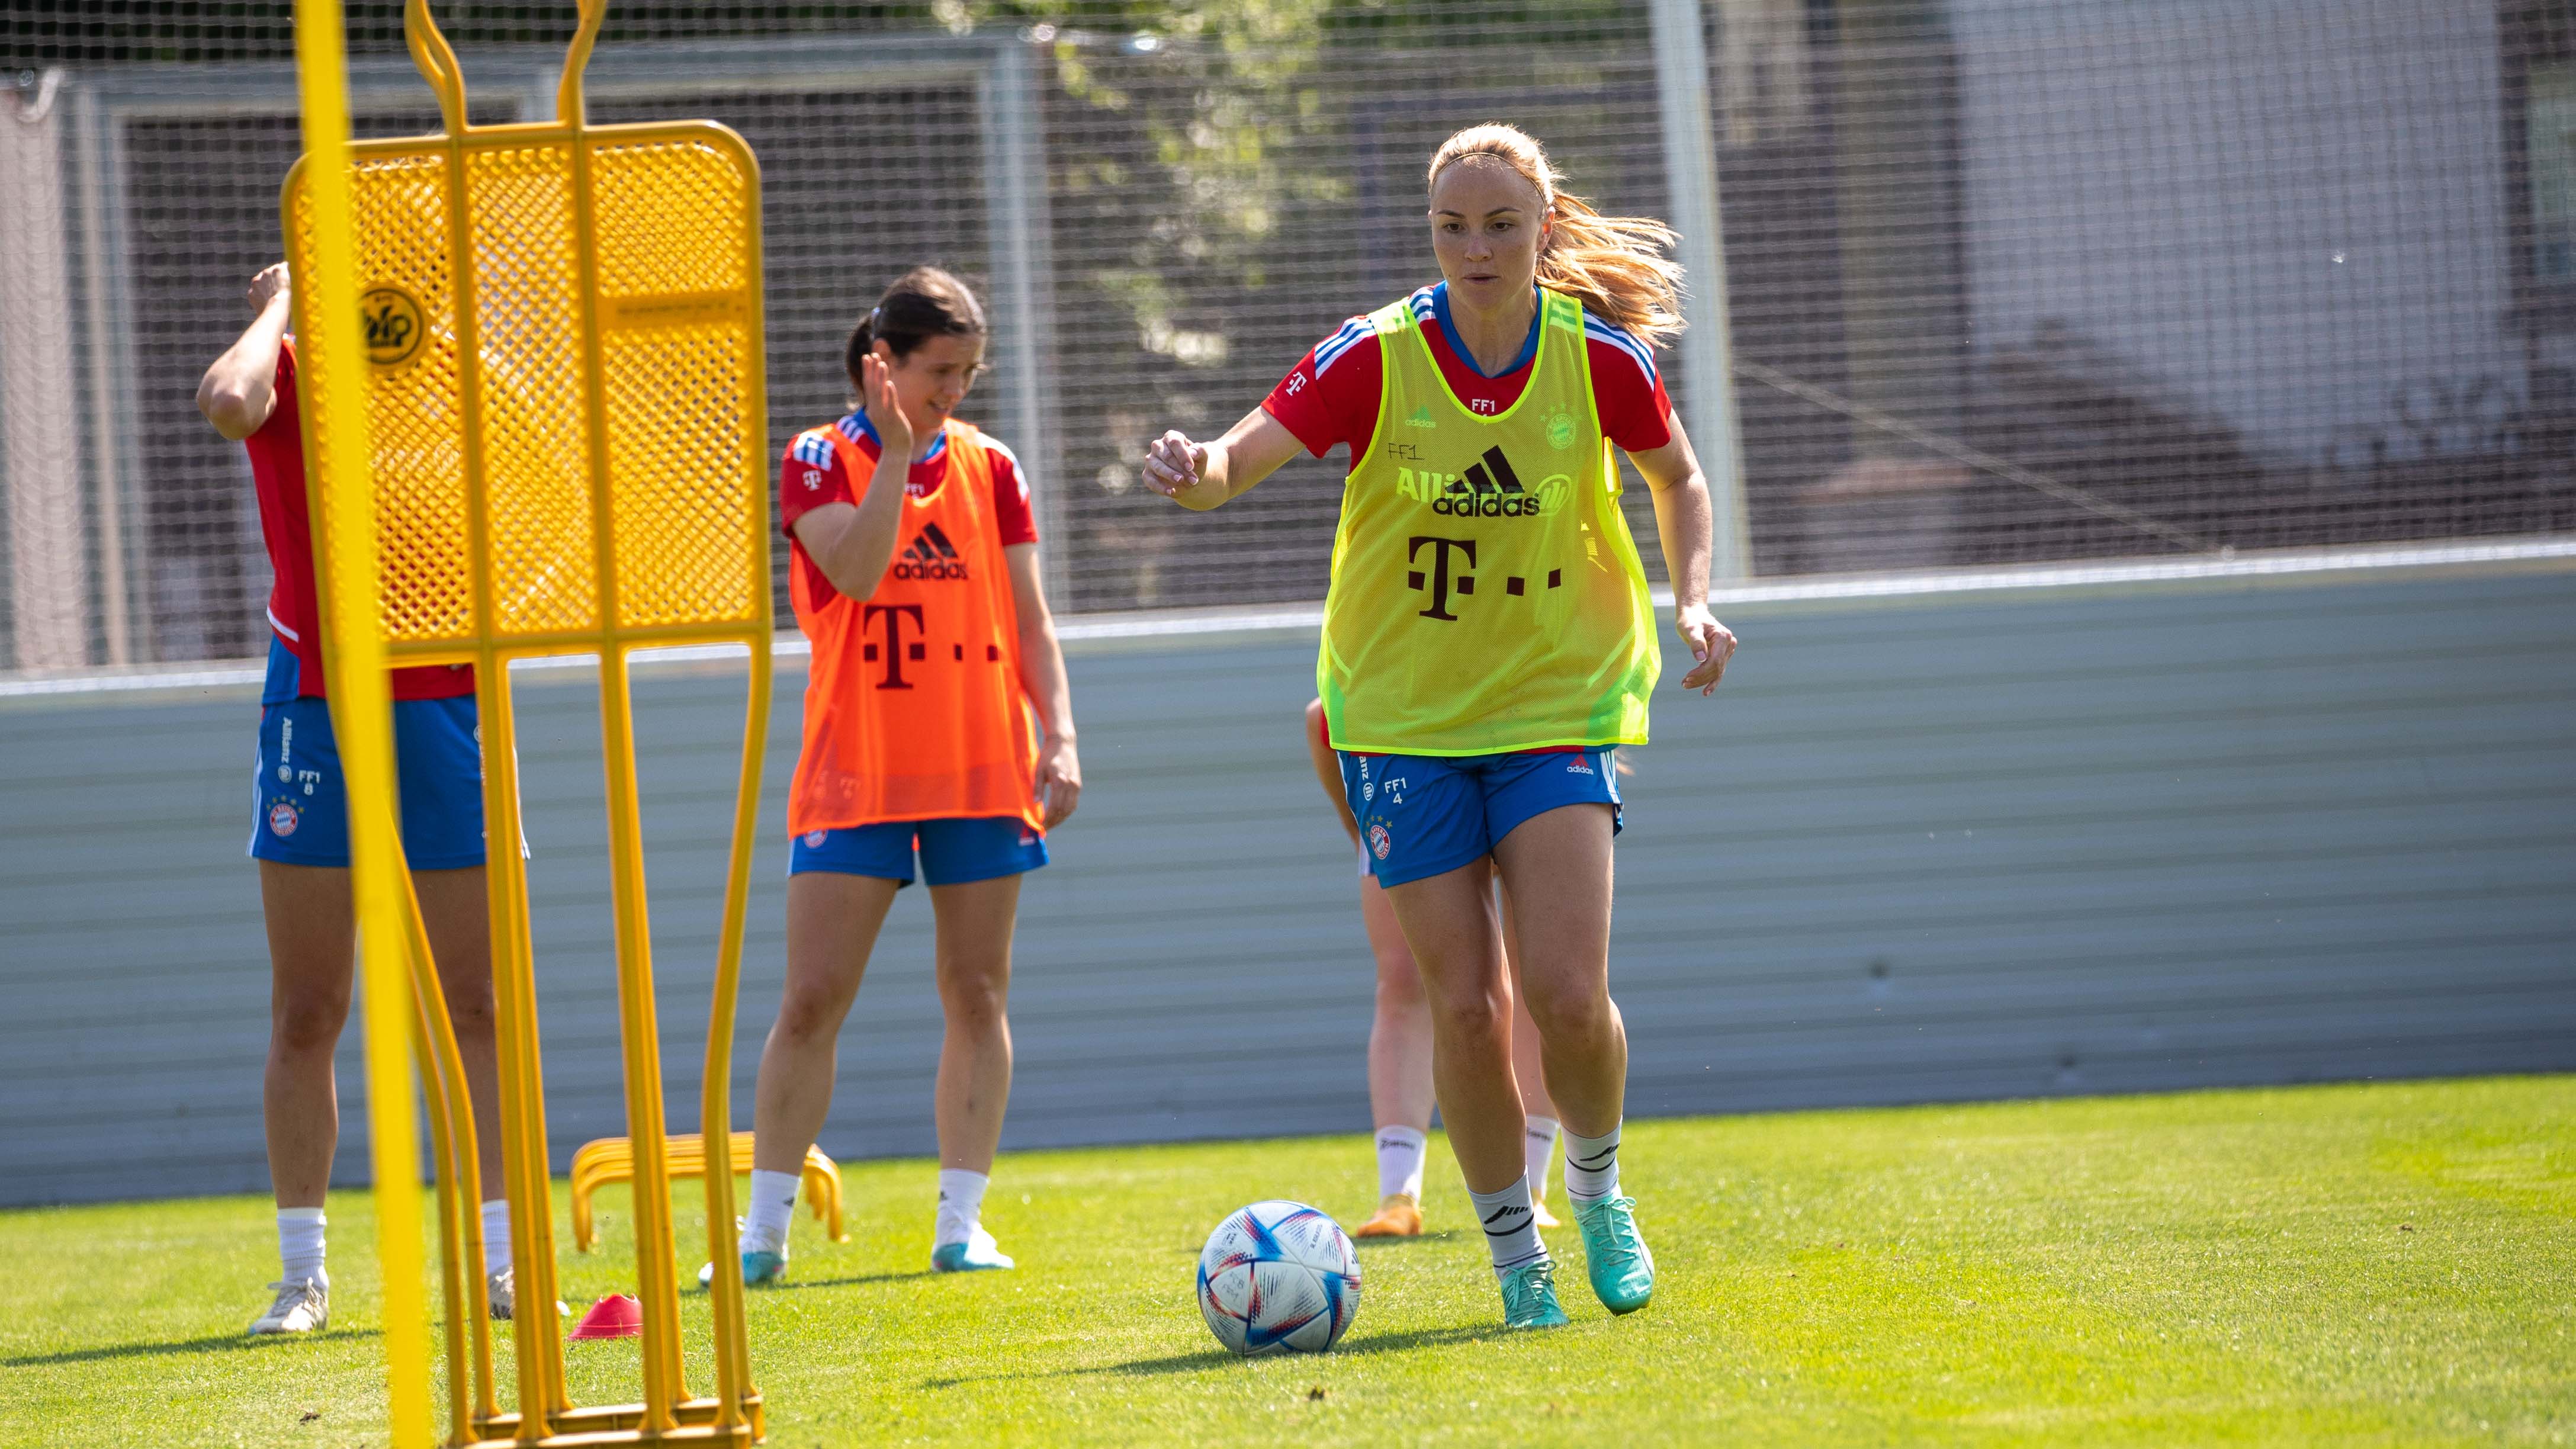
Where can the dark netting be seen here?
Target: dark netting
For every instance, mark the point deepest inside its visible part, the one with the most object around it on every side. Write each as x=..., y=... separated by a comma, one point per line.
x=2010, y=280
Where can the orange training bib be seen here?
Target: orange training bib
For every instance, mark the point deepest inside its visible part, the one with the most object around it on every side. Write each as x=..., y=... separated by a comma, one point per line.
x=914, y=709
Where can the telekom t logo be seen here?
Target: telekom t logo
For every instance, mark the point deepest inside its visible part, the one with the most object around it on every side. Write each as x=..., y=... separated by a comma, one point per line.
x=1440, y=582
x=896, y=651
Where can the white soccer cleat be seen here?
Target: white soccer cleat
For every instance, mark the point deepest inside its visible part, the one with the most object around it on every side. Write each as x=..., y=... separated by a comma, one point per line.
x=302, y=1306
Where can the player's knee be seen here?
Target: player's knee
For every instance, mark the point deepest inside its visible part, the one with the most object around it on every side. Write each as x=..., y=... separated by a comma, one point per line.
x=975, y=1007
x=308, y=1024
x=807, y=1016
x=1569, y=1009
x=1400, y=991
x=1471, y=1011
x=469, y=1012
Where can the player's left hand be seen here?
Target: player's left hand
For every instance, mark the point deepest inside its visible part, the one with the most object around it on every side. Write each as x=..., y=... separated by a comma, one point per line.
x=1711, y=643
x=1059, y=780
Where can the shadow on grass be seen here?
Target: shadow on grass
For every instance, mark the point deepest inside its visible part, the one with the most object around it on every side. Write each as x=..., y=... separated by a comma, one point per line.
x=794, y=1284
x=222, y=1343
x=1215, y=1359
x=1372, y=1244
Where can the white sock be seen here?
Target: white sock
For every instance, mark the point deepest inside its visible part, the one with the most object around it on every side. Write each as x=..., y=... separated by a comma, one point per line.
x=1399, y=1162
x=1509, y=1232
x=1592, y=1166
x=496, y=1234
x=299, y=1245
x=773, y=1207
x=961, y=1205
x=1540, y=1153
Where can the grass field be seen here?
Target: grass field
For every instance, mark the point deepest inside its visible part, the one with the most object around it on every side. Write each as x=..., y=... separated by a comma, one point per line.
x=2372, y=1265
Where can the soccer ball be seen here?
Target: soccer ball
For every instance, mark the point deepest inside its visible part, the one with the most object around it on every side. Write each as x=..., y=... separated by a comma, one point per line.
x=1278, y=1275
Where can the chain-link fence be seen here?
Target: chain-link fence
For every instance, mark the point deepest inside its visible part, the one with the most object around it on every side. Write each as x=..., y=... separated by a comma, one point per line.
x=2010, y=280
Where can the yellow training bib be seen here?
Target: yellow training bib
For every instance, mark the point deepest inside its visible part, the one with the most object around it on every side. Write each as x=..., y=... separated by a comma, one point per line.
x=1486, y=595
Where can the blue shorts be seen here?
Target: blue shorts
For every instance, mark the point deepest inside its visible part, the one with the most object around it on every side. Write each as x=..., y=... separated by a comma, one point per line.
x=953, y=852
x=1426, y=815
x=300, y=808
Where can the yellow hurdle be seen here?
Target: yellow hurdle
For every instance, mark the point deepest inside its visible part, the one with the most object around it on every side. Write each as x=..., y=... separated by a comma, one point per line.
x=612, y=1159
x=564, y=436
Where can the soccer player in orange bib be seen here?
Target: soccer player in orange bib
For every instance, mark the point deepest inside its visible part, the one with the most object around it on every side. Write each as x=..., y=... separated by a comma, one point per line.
x=937, y=723
x=1489, y=643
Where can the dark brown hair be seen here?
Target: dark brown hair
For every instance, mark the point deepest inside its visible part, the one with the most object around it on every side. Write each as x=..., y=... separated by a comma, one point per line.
x=923, y=303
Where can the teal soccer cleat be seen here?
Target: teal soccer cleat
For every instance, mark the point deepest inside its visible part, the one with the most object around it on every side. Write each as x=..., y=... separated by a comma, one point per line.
x=1615, y=1257
x=758, y=1270
x=978, y=1254
x=1529, y=1296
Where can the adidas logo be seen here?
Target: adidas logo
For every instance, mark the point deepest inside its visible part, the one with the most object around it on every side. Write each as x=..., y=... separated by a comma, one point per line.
x=931, y=556
x=1421, y=418
x=1490, y=489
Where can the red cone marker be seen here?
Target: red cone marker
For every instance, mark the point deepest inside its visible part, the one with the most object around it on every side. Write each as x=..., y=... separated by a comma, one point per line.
x=616, y=1316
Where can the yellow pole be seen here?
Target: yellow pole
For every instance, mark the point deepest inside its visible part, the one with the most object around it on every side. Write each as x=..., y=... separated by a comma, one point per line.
x=362, y=709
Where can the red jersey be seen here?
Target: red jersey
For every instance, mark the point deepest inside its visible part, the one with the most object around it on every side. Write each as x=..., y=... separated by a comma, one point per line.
x=811, y=475
x=277, y=471
x=1331, y=396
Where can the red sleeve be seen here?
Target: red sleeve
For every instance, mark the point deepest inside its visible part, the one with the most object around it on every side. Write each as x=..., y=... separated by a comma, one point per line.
x=1012, y=517
x=1628, y=392
x=1331, y=395
x=809, y=476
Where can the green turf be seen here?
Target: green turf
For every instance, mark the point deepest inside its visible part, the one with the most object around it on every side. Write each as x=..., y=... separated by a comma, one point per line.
x=2384, y=1264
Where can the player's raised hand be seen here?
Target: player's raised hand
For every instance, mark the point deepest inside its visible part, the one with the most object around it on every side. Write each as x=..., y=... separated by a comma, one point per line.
x=1711, y=643
x=877, y=399
x=1174, y=465
x=270, y=286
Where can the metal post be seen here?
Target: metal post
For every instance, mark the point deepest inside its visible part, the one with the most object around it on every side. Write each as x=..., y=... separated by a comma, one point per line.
x=48, y=575
x=106, y=480
x=1707, y=348
x=1016, y=222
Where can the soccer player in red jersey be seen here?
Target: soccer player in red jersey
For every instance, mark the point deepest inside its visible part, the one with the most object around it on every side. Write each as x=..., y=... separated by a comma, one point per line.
x=1488, y=642
x=300, y=837
x=938, y=725
x=1399, y=1055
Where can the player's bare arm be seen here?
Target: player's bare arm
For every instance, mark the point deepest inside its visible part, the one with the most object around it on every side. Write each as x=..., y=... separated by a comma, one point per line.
x=239, y=392
x=1200, y=477
x=1684, y=525
x=853, y=543
x=1042, y=675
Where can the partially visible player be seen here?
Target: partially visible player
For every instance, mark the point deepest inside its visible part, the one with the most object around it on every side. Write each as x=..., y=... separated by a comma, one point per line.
x=300, y=837
x=937, y=720
x=1489, y=642
x=1400, y=1043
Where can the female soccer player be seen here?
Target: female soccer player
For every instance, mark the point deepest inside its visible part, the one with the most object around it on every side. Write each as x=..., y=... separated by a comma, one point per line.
x=915, y=574
x=1488, y=642
x=1400, y=1043
x=300, y=837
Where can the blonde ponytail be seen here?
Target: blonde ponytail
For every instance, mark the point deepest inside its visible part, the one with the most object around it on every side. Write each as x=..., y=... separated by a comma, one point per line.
x=1614, y=265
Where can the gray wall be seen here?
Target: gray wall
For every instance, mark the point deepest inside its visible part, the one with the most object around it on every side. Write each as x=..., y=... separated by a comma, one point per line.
x=1927, y=844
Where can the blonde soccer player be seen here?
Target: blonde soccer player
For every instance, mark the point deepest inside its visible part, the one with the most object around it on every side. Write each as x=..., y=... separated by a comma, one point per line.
x=938, y=726
x=1399, y=1051
x=1489, y=642
x=300, y=837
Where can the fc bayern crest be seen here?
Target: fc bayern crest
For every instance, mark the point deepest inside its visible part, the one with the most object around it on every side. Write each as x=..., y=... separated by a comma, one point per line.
x=283, y=818
x=814, y=839
x=1380, y=841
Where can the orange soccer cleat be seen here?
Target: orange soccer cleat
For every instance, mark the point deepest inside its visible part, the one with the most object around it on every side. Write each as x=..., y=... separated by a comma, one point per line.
x=1540, y=1217
x=1400, y=1216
